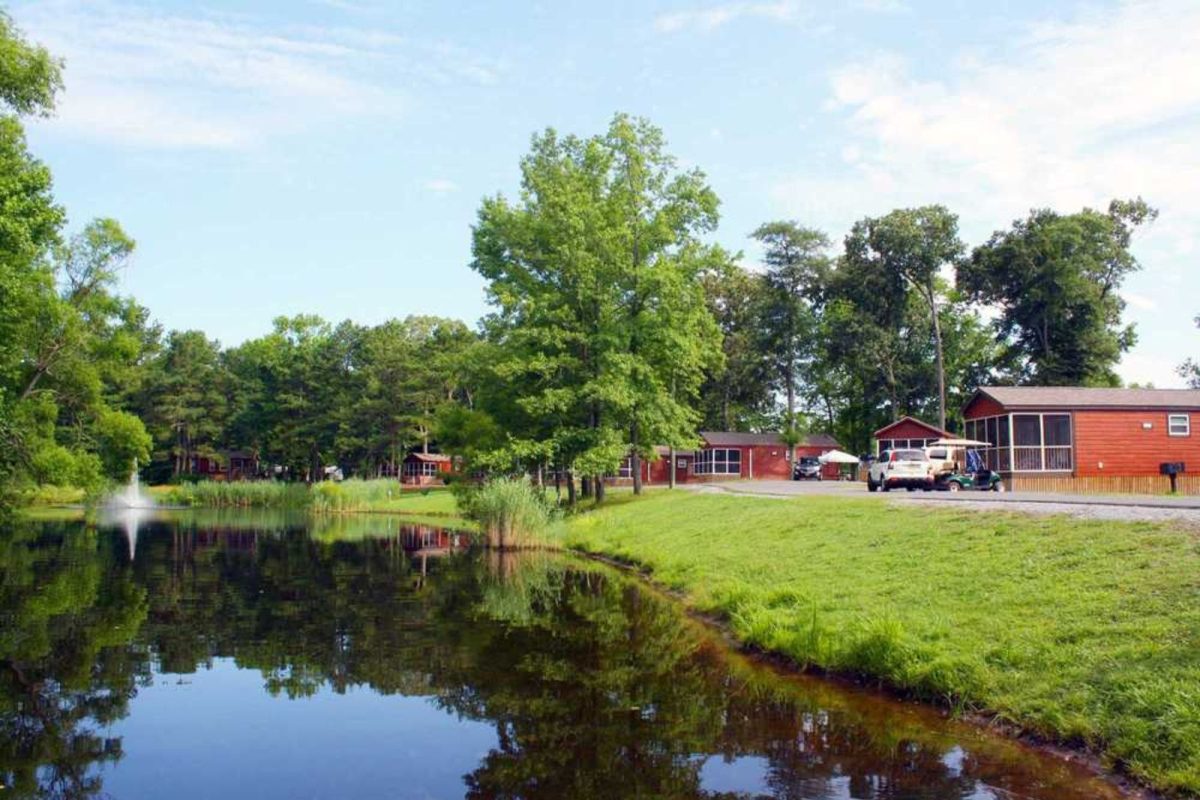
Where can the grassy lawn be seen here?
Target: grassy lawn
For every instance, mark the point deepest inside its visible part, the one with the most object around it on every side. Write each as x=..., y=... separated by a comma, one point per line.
x=1081, y=631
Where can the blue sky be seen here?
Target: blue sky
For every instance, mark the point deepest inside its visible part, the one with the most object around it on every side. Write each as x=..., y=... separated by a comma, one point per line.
x=329, y=156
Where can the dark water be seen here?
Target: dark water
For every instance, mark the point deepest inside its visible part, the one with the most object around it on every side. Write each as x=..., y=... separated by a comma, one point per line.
x=262, y=658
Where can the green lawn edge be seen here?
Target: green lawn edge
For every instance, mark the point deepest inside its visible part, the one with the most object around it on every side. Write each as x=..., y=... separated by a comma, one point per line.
x=1081, y=632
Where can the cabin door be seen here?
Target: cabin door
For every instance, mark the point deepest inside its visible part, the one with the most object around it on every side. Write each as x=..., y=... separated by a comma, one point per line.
x=683, y=468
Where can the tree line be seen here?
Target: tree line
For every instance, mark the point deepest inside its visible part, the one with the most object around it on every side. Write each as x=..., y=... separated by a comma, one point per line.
x=616, y=325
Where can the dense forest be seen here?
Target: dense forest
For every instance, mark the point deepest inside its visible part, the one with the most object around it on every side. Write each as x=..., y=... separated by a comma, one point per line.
x=617, y=325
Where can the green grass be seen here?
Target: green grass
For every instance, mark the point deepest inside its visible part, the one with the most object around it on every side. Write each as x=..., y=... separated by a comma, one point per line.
x=1086, y=632
x=383, y=496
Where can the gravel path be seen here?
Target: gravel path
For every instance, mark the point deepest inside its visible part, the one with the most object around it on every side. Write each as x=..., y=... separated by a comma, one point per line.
x=1190, y=517
x=1185, y=510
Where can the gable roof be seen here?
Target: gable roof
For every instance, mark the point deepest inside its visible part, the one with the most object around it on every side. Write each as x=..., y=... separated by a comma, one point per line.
x=1067, y=397
x=433, y=457
x=739, y=439
x=913, y=420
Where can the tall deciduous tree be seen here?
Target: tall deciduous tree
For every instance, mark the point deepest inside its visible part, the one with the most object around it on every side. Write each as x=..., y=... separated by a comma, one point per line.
x=797, y=263
x=1190, y=369
x=594, y=274
x=916, y=244
x=1055, y=280
x=738, y=394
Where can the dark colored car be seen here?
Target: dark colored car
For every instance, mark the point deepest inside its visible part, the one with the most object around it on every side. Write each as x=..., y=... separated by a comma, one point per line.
x=807, y=468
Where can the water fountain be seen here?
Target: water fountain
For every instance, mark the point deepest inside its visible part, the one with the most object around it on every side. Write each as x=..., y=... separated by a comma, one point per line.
x=129, y=507
x=131, y=496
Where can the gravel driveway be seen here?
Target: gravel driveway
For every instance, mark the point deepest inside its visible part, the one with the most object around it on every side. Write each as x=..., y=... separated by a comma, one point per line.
x=1150, y=508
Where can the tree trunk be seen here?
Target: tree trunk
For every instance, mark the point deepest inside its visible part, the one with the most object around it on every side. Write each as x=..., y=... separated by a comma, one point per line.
x=941, y=363
x=635, y=458
x=570, y=488
x=585, y=486
x=599, y=489
x=790, y=374
x=671, y=468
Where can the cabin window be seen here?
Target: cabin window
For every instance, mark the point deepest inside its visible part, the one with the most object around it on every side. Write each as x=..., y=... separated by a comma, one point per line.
x=424, y=468
x=1179, y=425
x=626, y=468
x=718, y=461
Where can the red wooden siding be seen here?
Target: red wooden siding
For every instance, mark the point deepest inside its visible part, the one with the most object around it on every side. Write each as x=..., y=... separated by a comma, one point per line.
x=982, y=406
x=1118, y=440
x=909, y=429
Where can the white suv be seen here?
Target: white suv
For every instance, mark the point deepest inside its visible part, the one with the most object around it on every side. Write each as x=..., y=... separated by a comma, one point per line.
x=896, y=469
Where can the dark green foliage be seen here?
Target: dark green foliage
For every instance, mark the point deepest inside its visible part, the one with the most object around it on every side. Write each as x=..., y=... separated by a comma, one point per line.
x=1056, y=279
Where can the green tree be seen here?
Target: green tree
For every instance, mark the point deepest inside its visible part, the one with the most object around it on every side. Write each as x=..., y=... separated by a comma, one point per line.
x=185, y=401
x=595, y=277
x=797, y=264
x=1190, y=370
x=1055, y=280
x=738, y=393
x=916, y=244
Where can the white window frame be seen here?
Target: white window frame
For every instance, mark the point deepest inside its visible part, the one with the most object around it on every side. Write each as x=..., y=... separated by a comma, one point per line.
x=707, y=463
x=1174, y=419
x=425, y=469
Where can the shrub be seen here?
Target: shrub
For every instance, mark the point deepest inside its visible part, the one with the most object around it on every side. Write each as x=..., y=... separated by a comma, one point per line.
x=511, y=512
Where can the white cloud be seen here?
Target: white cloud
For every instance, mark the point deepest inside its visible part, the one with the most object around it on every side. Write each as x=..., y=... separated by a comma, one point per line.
x=713, y=17
x=441, y=186
x=1139, y=301
x=148, y=78
x=884, y=6
x=1075, y=112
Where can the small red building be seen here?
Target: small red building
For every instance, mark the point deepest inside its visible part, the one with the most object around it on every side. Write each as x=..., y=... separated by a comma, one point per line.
x=907, y=432
x=1064, y=438
x=424, y=469
x=726, y=455
x=732, y=455
x=232, y=465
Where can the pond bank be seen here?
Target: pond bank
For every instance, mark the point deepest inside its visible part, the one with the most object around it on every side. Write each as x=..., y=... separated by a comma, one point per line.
x=1074, y=632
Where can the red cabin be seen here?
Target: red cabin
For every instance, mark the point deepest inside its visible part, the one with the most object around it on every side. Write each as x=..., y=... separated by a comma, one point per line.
x=424, y=469
x=907, y=432
x=1066, y=438
x=731, y=455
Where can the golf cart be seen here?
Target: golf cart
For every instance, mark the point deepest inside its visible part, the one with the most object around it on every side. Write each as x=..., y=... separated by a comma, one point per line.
x=958, y=466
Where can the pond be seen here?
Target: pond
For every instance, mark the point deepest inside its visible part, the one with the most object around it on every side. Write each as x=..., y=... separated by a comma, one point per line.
x=260, y=656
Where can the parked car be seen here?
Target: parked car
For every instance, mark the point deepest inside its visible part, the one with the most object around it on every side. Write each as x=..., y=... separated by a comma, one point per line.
x=807, y=468
x=901, y=469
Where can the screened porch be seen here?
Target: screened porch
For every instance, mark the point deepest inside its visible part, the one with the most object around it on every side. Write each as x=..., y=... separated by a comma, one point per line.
x=1025, y=442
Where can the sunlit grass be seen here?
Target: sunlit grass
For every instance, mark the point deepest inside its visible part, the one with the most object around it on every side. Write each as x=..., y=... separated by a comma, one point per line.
x=386, y=496
x=1082, y=631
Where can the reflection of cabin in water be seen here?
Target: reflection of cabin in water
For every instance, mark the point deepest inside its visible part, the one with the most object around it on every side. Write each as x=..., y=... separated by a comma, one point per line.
x=424, y=469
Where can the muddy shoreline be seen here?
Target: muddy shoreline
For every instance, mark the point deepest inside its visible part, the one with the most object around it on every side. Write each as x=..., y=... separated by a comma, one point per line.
x=1075, y=753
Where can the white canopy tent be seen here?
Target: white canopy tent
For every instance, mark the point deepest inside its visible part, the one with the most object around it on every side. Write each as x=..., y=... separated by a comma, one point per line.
x=837, y=457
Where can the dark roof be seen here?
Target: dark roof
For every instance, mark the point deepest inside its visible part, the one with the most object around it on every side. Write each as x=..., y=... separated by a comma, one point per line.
x=915, y=421
x=1067, y=397
x=429, y=456
x=738, y=439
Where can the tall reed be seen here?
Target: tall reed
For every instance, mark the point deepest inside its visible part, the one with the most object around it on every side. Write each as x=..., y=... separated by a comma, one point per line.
x=511, y=512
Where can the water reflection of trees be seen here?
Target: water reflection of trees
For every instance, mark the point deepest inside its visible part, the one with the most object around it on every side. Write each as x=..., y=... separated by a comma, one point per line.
x=594, y=687
x=67, y=664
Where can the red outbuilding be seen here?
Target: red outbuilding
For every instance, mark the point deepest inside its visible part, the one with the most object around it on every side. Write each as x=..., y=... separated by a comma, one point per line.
x=907, y=432
x=423, y=469
x=1064, y=438
x=729, y=455
x=732, y=455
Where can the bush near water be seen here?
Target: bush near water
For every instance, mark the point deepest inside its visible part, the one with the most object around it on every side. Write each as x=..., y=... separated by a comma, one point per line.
x=512, y=513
